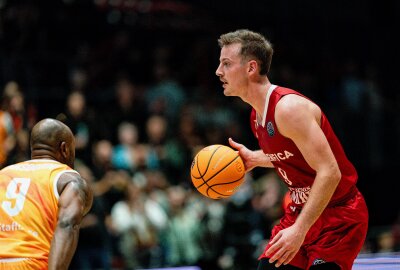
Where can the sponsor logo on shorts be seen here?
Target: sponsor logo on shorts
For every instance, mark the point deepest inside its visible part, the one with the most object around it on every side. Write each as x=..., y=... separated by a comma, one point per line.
x=318, y=261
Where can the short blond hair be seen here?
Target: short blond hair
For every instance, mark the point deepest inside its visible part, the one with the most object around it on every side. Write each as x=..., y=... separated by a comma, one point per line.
x=253, y=45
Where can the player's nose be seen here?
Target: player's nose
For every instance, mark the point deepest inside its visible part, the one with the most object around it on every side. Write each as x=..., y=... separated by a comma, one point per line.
x=218, y=72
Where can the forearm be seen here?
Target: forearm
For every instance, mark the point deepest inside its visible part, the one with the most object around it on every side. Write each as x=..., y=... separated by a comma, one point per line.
x=320, y=194
x=63, y=247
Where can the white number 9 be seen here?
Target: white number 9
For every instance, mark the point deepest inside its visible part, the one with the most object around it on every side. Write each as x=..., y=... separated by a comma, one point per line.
x=16, y=190
x=285, y=177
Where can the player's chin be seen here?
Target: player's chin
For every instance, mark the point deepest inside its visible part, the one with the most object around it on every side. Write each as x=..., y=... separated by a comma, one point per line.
x=227, y=92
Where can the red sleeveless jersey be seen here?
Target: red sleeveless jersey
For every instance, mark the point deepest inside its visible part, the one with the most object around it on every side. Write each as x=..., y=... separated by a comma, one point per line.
x=288, y=160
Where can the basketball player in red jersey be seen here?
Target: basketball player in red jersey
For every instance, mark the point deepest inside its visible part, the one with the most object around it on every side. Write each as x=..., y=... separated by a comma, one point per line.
x=325, y=225
x=42, y=202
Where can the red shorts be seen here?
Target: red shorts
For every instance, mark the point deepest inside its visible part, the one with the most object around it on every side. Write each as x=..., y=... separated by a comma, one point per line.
x=337, y=236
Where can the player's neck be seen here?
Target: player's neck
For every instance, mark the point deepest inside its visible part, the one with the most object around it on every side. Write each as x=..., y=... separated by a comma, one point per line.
x=43, y=155
x=258, y=96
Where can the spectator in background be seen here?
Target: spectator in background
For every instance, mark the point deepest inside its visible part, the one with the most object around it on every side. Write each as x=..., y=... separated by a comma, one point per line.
x=7, y=137
x=179, y=150
x=170, y=153
x=78, y=79
x=23, y=118
x=7, y=125
x=109, y=182
x=189, y=130
x=184, y=230
x=222, y=123
x=138, y=220
x=269, y=198
x=166, y=97
x=128, y=106
x=79, y=119
x=123, y=156
x=21, y=121
x=242, y=229
x=13, y=102
x=94, y=249
x=156, y=131
x=101, y=161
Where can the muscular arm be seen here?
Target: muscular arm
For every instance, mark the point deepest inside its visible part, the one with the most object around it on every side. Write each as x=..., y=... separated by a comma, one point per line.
x=74, y=202
x=305, y=131
x=299, y=119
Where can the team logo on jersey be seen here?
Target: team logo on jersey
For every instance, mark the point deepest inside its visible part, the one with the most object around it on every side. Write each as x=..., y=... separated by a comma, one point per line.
x=318, y=261
x=270, y=129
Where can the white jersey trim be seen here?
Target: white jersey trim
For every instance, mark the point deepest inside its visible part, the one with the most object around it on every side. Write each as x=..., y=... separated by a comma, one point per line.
x=10, y=260
x=44, y=160
x=269, y=92
x=56, y=181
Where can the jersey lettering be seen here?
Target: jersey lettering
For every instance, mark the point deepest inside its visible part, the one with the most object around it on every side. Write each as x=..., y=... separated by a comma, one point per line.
x=280, y=156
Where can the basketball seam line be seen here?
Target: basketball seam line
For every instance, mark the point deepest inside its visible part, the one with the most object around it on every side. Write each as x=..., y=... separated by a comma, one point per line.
x=206, y=182
x=234, y=181
x=209, y=161
x=210, y=187
x=211, y=177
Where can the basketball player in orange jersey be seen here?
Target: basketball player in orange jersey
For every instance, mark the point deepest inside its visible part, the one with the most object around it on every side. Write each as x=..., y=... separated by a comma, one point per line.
x=42, y=202
x=325, y=224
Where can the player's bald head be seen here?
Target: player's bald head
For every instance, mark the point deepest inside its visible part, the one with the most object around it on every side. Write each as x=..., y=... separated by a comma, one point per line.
x=50, y=132
x=50, y=137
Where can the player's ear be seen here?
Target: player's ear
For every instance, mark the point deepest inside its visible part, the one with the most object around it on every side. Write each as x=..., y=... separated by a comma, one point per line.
x=253, y=65
x=64, y=151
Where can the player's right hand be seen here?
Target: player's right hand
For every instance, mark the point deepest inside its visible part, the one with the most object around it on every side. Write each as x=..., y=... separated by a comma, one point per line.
x=251, y=159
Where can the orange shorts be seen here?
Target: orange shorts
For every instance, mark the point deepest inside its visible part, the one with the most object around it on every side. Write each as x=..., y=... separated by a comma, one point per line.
x=337, y=236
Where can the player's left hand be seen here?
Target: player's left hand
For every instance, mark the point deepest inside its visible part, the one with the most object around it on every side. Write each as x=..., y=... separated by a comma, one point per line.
x=285, y=245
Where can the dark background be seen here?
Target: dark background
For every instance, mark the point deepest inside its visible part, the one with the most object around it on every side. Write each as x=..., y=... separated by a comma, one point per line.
x=317, y=45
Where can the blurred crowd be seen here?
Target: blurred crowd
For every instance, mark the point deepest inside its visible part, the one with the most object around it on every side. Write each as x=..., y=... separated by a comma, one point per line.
x=146, y=212
x=141, y=99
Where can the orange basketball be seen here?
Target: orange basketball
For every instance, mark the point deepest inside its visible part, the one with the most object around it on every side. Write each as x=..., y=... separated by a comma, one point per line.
x=217, y=171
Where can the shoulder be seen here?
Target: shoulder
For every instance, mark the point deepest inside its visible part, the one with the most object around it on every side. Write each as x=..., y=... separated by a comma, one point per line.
x=72, y=178
x=77, y=185
x=295, y=106
x=293, y=112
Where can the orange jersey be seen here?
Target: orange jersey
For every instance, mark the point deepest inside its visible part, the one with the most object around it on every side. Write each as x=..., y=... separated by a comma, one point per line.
x=28, y=209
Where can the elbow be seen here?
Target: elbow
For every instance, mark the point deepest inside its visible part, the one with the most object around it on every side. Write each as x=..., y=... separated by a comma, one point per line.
x=70, y=223
x=336, y=174
x=332, y=174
